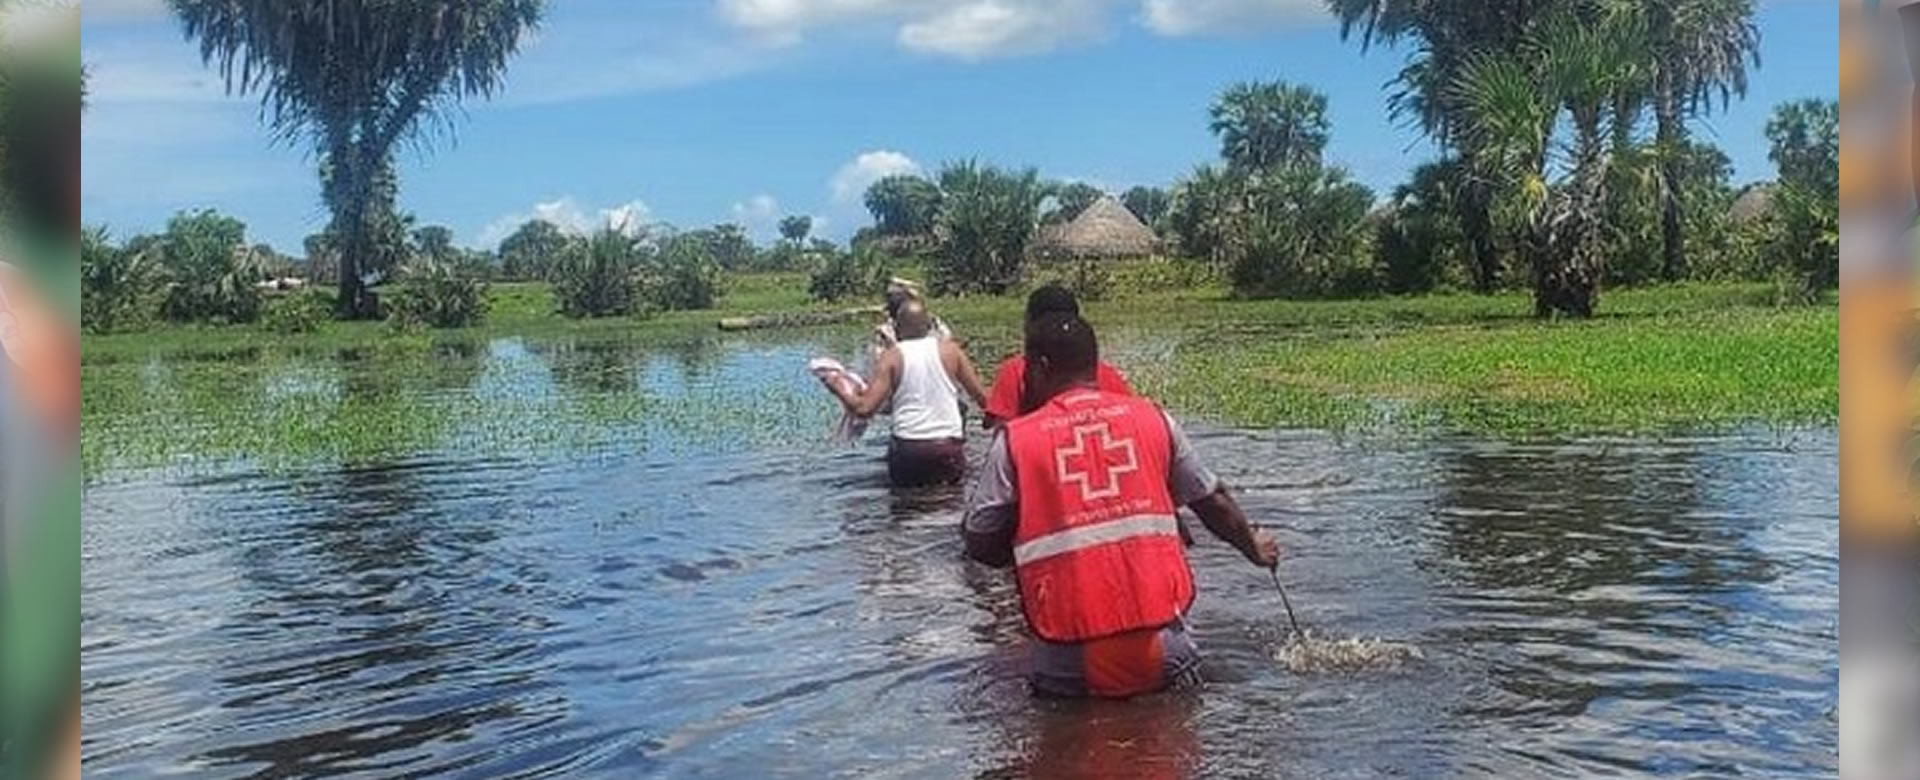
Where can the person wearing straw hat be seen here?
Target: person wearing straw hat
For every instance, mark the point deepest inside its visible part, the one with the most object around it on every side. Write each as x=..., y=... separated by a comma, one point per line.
x=1079, y=497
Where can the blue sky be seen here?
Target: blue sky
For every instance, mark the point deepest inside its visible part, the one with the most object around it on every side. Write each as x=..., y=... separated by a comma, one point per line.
x=700, y=111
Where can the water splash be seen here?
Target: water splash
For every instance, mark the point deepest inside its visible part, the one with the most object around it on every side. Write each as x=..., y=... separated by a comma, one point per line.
x=1306, y=653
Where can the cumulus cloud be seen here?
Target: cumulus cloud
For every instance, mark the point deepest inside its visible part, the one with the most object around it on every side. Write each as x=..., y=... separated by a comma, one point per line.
x=1202, y=17
x=850, y=183
x=568, y=215
x=962, y=29
x=996, y=28
x=759, y=215
x=789, y=17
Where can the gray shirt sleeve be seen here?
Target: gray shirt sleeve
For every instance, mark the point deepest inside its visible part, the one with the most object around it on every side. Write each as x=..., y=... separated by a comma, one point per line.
x=993, y=509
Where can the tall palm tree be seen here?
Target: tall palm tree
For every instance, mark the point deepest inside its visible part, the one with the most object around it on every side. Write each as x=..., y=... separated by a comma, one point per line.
x=355, y=78
x=1580, y=64
x=1700, y=50
x=1447, y=37
x=1264, y=125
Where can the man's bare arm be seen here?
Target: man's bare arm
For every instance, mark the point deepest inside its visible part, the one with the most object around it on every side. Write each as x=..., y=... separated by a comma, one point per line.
x=879, y=386
x=962, y=369
x=1222, y=516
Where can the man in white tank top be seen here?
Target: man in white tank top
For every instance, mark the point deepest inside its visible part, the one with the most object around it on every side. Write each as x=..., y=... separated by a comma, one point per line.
x=921, y=376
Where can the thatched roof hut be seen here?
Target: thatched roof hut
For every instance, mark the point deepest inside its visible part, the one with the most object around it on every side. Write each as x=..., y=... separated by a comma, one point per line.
x=1753, y=203
x=1105, y=230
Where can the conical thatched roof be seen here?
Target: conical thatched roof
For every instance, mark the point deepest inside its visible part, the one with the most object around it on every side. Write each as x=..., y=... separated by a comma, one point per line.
x=1753, y=203
x=1105, y=229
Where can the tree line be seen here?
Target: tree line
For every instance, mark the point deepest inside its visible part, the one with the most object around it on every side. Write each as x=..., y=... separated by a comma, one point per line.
x=1563, y=123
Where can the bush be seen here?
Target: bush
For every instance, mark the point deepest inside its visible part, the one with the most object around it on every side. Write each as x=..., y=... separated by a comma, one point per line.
x=1089, y=279
x=987, y=216
x=300, y=312
x=438, y=294
x=860, y=273
x=114, y=284
x=685, y=278
x=1403, y=250
x=210, y=273
x=1302, y=235
x=1804, y=242
x=600, y=277
x=1162, y=273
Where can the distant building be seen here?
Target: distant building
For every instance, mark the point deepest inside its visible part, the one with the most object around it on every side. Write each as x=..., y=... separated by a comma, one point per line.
x=1106, y=230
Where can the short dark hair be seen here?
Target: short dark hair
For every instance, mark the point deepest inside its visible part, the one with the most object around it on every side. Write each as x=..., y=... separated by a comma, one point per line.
x=1065, y=343
x=1051, y=299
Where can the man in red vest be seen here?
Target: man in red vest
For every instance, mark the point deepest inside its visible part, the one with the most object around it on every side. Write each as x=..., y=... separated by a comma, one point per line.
x=1008, y=399
x=1079, y=497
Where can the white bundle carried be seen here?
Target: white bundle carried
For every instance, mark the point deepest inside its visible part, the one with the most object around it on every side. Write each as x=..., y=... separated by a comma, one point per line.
x=836, y=376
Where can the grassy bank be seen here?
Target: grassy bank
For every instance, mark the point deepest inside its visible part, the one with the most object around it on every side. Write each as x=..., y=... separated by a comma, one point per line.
x=1679, y=359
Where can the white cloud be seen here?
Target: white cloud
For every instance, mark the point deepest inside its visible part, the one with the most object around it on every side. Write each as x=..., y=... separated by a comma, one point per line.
x=1178, y=18
x=963, y=29
x=568, y=215
x=850, y=183
x=759, y=215
x=998, y=28
x=787, y=18
x=574, y=64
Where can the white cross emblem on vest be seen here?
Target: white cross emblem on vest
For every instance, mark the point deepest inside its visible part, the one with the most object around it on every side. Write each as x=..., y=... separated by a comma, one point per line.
x=1098, y=475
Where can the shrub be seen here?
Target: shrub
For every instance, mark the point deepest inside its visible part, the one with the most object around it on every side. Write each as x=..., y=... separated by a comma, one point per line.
x=1162, y=273
x=210, y=273
x=1302, y=235
x=600, y=277
x=860, y=273
x=438, y=294
x=686, y=276
x=529, y=253
x=300, y=312
x=1804, y=242
x=114, y=283
x=1089, y=279
x=987, y=216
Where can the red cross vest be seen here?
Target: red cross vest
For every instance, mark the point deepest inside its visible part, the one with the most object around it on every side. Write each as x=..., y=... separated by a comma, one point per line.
x=1097, y=551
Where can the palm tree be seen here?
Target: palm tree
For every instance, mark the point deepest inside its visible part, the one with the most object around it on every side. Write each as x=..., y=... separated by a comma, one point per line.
x=1204, y=205
x=1448, y=36
x=355, y=78
x=903, y=205
x=795, y=228
x=1579, y=63
x=987, y=216
x=1700, y=50
x=1264, y=125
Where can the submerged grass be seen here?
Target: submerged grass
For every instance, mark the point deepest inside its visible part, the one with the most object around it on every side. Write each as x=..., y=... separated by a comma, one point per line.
x=1677, y=359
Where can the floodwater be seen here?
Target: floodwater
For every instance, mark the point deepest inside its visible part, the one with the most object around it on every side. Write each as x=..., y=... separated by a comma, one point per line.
x=685, y=600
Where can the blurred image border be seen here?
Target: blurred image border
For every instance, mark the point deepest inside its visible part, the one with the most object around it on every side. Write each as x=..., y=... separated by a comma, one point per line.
x=1879, y=52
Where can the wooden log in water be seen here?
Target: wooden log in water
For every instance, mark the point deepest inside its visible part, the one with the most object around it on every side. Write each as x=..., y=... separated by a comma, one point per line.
x=800, y=319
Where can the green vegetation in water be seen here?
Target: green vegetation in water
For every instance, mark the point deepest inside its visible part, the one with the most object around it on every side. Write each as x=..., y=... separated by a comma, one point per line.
x=1675, y=359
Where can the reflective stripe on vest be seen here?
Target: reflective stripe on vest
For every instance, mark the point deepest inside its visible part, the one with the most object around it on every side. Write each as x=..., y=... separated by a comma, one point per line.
x=1082, y=537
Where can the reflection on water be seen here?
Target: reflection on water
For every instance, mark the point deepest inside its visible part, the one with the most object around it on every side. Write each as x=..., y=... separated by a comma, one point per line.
x=714, y=592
